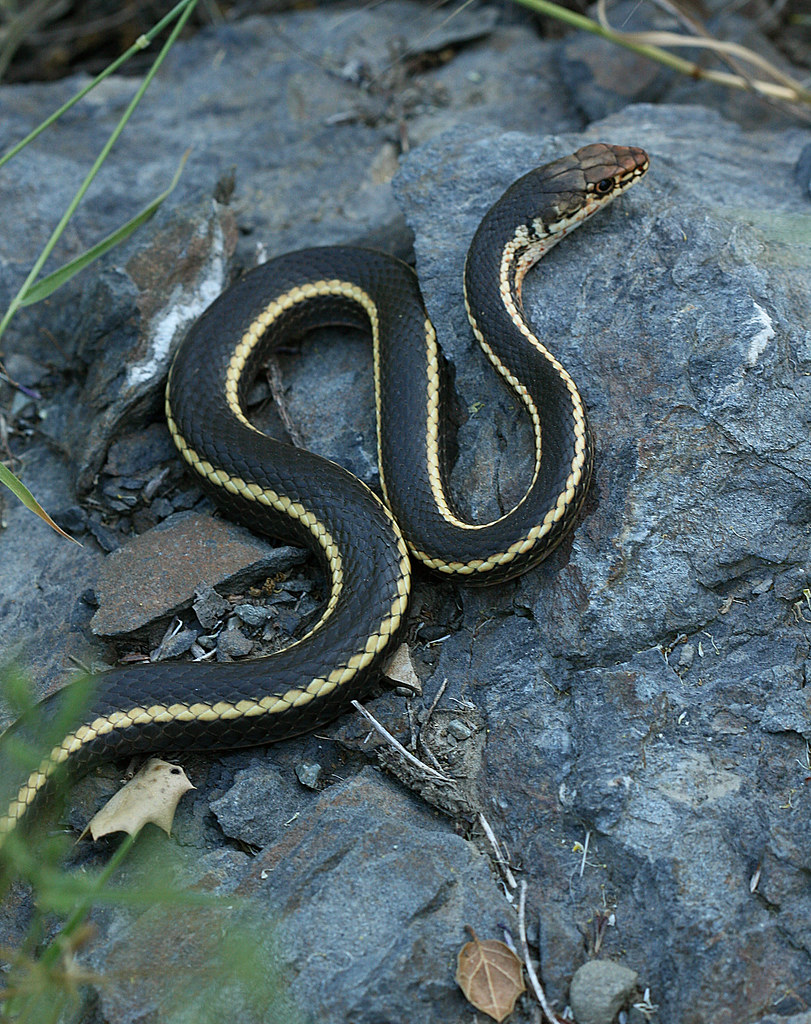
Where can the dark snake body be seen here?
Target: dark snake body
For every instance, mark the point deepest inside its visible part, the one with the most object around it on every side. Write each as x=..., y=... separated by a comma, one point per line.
x=364, y=545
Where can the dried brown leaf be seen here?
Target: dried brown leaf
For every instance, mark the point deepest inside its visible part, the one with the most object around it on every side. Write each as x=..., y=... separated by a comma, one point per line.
x=490, y=975
x=400, y=669
x=151, y=795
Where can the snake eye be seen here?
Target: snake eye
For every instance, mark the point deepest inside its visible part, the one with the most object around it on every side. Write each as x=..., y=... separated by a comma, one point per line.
x=604, y=187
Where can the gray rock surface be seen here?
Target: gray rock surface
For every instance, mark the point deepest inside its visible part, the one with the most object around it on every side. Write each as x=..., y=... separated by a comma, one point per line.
x=644, y=747
x=645, y=677
x=353, y=908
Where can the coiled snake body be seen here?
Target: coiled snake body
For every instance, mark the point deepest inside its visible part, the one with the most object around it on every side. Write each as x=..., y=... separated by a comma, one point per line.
x=364, y=544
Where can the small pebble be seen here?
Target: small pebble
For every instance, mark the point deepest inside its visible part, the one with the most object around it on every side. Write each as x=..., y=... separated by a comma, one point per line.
x=297, y=585
x=599, y=989
x=252, y=615
x=288, y=621
x=143, y=520
x=308, y=774
x=459, y=730
x=106, y=539
x=161, y=508
x=174, y=646
x=233, y=643
x=209, y=607
x=72, y=519
x=186, y=499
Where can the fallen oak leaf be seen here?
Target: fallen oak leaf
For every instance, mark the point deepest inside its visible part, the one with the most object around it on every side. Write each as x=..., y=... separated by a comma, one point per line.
x=490, y=976
x=151, y=795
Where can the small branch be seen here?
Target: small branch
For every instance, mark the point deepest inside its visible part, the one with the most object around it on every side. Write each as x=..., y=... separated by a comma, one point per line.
x=387, y=736
x=274, y=372
x=537, y=988
x=504, y=867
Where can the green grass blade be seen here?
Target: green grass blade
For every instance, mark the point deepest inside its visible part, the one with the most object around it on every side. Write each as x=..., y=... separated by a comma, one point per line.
x=44, y=287
x=28, y=499
x=141, y=43
x=56, y=234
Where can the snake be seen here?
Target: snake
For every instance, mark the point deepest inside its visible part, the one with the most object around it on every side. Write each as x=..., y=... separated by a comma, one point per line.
x=366, y=543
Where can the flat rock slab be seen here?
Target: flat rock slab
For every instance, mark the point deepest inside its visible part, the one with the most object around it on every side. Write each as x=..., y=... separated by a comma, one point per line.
x=157, y=573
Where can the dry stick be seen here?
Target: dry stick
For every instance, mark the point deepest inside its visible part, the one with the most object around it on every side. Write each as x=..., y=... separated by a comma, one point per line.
x=387, y=736
x=274, y=373
x=509, y=877
x=427, y=752
x=537, y=988
x=585, y=852
x=434, y=702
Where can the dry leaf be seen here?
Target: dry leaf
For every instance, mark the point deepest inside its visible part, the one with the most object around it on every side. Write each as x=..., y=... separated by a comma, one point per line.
x=490, y=975
x=400, y=669
x=151, y=795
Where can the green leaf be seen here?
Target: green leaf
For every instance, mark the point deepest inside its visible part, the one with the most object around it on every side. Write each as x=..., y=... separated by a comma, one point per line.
x=28, y=499
x=44, y=287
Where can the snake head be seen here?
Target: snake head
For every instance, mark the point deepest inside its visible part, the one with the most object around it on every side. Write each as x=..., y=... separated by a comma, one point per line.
x=549, y=202
x=563, y=194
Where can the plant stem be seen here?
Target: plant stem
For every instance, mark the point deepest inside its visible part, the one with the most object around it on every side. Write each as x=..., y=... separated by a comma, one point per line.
x=16, y=302
x=141, y=43
x=793, y=94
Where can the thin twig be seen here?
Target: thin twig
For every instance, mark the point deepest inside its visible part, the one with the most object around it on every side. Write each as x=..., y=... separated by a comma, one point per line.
x=274, y=372
x=509, y=877
x=387, y=736
x=427, y=752
x=585, y=853
x=421, y=727
x=537, y=988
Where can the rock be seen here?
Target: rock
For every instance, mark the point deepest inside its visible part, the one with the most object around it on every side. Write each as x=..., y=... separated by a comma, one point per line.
x=256, y=808
x=174, y=644
x=252, y=615
x=599, y=989
x=232, y=643
x=363, y=868
x=157, y=573
x=209, y=607
x=592, y=722
x=309, y=775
